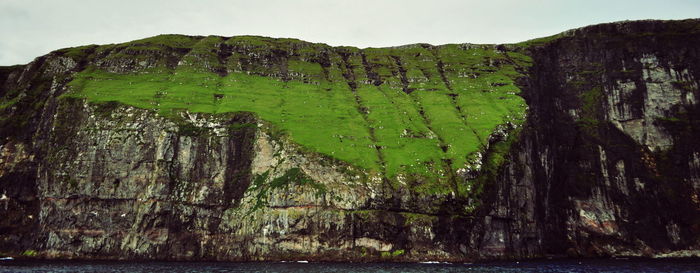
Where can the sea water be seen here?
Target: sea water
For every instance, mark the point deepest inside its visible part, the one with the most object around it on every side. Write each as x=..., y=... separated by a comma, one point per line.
x=596, y=265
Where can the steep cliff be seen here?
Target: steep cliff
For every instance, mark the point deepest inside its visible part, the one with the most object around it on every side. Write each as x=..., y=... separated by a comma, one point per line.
x=250, y=148
x=612, y=143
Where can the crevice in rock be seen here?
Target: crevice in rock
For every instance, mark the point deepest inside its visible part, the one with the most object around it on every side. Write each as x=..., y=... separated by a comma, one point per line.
x=223, y=52
x=173, y=165
x=239, y=156
x=174, y=59
x=324, y=61
x=441, y=70
x=402, y=75
x=86, y=60
x=369, y=70
x=280, y=59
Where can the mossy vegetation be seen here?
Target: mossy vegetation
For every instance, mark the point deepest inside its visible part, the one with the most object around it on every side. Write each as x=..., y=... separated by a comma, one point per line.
x=30, y=253
x=72, y=183
x=417, y=110
x=541, y=41
x=411, y=219
x=588, y=82
x=8, y=103
x=188, y=129
x=77, y=53
x=392, y=254
x=262, y=186
x=591, y=101
x=494, y=158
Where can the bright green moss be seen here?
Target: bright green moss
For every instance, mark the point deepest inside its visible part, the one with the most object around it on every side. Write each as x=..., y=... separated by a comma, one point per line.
x=392, y=254
x=30, y=253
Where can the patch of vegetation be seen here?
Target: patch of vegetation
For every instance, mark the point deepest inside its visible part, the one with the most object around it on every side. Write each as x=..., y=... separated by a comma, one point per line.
x=450, y=98
x=686, y=86
x=168, y=40
x=493, y=160
x=417, y=218
x=4, y=104
x=292, y=178
x=680, y=122
x=106, y=108
x=241, y=126
x=73, y=183
x=22, y=102
x=392, y=254
x=591, y=101
x=188, y=129
x=30, y=253
x=541, y=41
x=77, y=53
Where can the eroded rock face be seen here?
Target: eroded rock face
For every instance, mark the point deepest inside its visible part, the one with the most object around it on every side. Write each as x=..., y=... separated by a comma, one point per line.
x=607, y=164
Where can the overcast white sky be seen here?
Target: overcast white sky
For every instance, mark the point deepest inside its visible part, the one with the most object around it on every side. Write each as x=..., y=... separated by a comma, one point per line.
x=30, y=28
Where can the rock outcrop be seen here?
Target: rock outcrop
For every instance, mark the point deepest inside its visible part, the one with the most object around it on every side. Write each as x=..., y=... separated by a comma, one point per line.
x=607, y=163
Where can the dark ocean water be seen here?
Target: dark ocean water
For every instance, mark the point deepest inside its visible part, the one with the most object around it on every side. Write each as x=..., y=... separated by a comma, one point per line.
x=197, y=267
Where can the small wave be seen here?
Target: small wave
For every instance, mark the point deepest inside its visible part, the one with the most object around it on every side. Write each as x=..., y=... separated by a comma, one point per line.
x=434, y=262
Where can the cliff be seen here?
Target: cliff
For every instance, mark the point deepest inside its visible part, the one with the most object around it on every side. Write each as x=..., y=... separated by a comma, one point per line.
x=251, y=148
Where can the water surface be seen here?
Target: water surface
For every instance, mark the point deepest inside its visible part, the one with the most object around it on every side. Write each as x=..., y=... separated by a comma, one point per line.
x=200, y=267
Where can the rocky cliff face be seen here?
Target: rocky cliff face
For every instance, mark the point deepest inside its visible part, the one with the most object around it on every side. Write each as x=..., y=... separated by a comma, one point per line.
x=607, y=163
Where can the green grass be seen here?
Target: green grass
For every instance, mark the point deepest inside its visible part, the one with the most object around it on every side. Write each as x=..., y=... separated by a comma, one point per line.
x=427, y=133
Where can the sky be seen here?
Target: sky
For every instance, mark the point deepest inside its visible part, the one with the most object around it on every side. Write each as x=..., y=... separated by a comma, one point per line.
x=30, y=28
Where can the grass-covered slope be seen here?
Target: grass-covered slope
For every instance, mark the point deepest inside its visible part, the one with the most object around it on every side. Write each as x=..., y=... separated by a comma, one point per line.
x=417, y=110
